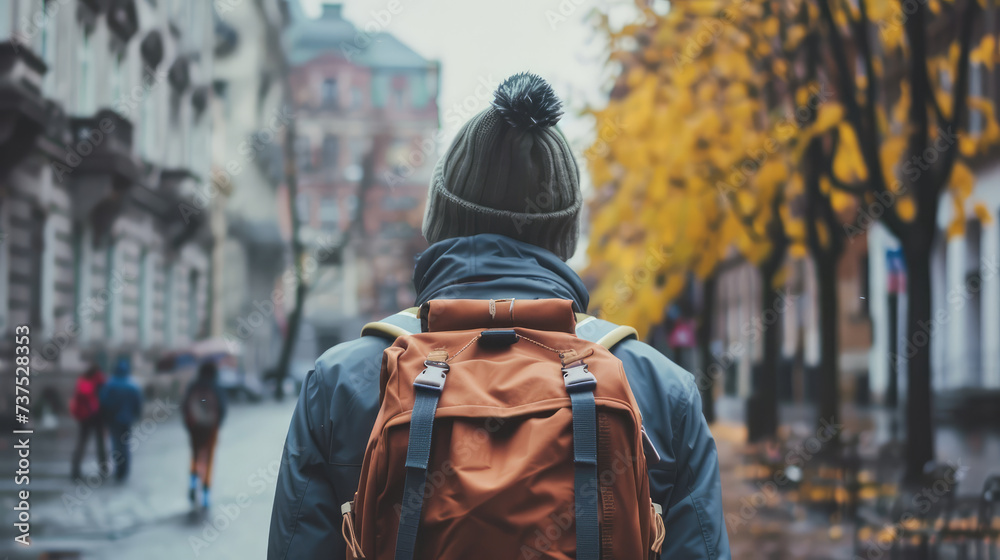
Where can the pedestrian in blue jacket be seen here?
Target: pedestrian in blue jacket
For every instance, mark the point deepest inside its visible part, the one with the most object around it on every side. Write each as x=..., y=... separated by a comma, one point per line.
x=502, y=216
x=121, y=405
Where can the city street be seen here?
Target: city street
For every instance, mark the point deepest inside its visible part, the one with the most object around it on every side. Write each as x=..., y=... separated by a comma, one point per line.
x=149, y=517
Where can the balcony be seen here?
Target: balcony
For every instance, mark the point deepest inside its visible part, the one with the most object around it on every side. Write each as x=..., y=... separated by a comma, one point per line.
x=100, y=168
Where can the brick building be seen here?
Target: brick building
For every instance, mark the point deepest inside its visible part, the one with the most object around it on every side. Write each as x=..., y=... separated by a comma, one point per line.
x=367, y=118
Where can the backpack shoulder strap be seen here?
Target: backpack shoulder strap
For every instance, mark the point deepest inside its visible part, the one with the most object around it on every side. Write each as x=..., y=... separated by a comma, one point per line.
x=394, y=326
x=602, y=332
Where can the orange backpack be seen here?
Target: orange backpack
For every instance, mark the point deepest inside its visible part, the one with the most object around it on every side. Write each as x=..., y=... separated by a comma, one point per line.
x=503, y=435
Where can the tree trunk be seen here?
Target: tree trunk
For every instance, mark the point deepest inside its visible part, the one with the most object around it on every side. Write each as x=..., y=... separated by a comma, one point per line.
x=762, y=407
x=829, y=365
x=298, y=252
x=706, y=382
x=916, y=348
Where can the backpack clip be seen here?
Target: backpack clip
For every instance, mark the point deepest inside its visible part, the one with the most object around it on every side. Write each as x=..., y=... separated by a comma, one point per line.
x=578, y=378
x=433, y=375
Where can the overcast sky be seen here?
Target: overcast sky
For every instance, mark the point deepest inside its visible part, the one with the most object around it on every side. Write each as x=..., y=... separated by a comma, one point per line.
x=484, y=42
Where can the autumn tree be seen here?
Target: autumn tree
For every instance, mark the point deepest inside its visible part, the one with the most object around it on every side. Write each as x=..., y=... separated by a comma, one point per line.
x=700, y=171
x=903, y=88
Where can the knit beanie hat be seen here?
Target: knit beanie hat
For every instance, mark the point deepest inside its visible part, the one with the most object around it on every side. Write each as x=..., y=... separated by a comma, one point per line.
x=511, y=172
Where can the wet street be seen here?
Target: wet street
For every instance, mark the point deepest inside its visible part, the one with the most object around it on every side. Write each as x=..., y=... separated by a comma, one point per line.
x=149, y=517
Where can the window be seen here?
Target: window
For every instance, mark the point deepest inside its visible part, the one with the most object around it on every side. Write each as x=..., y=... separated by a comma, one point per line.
x=380, y=89
x=328, y=93
x=329, y=213
x=148, y=124
x=357, y=97
x=116, y=81
x=331, y=152
x=194, y=327
x=83, y=253
x=303, y=153
x=169, y=301
x=85, y=91
x=112, y=313
x=5, y=19
x=419, y=90
x=145, y=298
x=47, y=47
x=302, y=208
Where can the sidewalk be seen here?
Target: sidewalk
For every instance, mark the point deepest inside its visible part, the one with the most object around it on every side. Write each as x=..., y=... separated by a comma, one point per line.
x=777, y=525
x=149, y=516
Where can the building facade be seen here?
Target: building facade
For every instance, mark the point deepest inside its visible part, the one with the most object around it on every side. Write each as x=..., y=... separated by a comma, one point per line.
x=367, y=118
x=105, y=143
x=249, y=126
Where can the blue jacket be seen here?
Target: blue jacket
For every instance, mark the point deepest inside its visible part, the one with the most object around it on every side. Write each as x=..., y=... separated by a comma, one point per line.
x=321, y=462
x=121, y=400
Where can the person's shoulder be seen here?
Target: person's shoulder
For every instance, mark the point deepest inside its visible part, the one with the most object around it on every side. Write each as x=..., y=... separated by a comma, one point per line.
x=354, y=358
x=651, y=370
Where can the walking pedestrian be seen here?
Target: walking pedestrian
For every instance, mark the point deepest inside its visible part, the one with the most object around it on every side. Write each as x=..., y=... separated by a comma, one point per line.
x=204, y=411
x=121, y=406
x=85, y=407
x=502, y=216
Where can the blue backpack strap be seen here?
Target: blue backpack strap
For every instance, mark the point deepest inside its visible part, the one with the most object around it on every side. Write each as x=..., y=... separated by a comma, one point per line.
x=394, y=326
x=602, y=332
x=580, y=385
x=427, y=389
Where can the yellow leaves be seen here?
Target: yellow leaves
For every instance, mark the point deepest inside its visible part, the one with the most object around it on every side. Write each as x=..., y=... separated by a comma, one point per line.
x=794, y=36
x=982, y=213
x=828, y=116
x=890, y=155
x=899, y=111
x=848, y=164
x=966, y=145
x=906, y=208
x=985, y=52
x=961, y=181
x=841, y=201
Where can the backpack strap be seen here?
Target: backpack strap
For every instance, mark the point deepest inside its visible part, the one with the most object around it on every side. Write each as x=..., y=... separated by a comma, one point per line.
x=602, y=332
x=394, y=326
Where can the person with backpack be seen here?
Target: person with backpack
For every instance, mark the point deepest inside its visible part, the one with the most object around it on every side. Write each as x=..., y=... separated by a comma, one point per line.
x=121, y=406
x=85, y=407
x=204, y=408
x=503, y=423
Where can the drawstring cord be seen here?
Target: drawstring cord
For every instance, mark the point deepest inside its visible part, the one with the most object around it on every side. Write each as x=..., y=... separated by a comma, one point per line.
x=661, y=529
x=347, y=529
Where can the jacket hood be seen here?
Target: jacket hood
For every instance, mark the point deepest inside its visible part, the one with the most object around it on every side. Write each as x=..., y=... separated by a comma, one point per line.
x=490, y=266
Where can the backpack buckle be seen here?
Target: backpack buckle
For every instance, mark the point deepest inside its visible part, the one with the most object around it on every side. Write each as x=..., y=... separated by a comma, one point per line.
x=433, y=376
x=578, y=378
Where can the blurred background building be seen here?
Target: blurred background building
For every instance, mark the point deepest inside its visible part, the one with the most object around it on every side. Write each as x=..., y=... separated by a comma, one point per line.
x=105, y=143
x=367, y=122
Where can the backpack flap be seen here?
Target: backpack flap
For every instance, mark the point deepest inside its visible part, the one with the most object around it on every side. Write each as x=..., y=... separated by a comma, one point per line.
x=467, y=314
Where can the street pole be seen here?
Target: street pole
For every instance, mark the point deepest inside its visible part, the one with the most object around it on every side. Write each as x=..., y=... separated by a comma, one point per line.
x=892, y=393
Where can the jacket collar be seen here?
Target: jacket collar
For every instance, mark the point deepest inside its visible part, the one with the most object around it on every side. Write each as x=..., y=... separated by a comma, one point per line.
x=493, y=266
